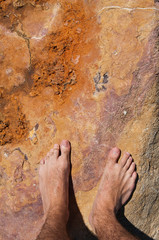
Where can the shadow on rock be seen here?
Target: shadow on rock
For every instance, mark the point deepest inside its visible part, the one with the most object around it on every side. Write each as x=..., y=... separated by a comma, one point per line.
x=130, y=227
x=76, y=227
x=77, y=230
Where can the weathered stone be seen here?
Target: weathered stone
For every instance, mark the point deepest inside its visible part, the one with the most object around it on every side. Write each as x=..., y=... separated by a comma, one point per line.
x=86, y=71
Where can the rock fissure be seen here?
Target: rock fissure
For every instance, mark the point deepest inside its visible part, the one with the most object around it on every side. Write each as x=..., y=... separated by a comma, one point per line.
x=126, y=8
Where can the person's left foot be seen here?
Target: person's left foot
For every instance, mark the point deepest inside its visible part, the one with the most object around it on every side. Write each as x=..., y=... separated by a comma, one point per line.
x=116, y=186
x=54, y=181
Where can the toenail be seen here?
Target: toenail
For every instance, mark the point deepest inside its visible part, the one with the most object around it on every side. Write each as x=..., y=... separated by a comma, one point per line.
x=56, y=146
x=128, y=153
x=115, y=150
x=65, y=143
x=42, y=161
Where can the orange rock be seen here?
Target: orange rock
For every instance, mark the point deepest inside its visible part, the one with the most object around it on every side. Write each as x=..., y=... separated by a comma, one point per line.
x=84, y=71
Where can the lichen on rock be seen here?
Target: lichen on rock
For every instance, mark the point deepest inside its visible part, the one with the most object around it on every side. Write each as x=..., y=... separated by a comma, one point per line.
x=86, y=71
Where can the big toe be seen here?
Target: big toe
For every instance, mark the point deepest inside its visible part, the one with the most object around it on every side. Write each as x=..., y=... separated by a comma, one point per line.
x=114, y=155
x=65, y=148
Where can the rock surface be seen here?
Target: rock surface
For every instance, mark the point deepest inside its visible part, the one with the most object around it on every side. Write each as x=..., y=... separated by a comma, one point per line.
x=86, y=71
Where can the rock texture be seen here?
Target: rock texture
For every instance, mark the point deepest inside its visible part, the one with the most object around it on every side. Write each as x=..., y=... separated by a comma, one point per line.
x=86, y=71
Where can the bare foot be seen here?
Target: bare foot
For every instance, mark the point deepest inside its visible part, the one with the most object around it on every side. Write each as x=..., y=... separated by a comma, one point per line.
x=116, y=186
x=54, y=181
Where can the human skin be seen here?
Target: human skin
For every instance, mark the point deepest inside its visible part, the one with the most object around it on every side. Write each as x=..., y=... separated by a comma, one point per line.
x=116, y=186
x=54, y=187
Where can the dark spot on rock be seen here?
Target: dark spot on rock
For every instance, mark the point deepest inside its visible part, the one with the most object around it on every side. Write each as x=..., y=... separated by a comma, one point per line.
x=36, y=127
x=100, y=82
x=97, y=78
x=105, y=78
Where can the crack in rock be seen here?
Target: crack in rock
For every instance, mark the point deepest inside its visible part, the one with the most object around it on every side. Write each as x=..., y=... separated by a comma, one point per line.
x=126, y=8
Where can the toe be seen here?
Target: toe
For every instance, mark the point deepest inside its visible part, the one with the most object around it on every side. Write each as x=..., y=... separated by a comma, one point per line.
x=41, y=169
x=50, y=154
x=134, y=176
x=114, y=155
x=124, y=159
x=42, y=161
x=56, y=150
x=65, y=148
x=128, y=163
x=131, y=168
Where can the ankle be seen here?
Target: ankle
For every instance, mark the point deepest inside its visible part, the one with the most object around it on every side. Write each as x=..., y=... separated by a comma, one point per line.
x=98, y=219
x=56, y=216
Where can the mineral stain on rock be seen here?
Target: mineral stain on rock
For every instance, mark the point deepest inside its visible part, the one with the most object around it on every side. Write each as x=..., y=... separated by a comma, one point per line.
x=62, y=51
x=59, y=65
x=13, y=124
x=83, y=71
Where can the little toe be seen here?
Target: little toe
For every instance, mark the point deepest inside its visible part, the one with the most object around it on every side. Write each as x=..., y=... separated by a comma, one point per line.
x=56, y=150
x=65, y=148
x=114, y=155
x=128, y=163
x=42, y=161
x=41, y=169
x=124, y=159
x=50, y=154
x=131, y=168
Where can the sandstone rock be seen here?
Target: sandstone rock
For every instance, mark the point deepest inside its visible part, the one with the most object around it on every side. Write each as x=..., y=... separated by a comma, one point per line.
x=86, y=71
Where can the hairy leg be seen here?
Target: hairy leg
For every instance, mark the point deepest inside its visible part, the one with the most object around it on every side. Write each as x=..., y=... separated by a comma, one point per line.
x=116, y=186
x=54, y=187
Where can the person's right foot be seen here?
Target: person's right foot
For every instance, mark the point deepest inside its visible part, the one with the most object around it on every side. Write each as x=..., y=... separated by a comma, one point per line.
x=116, y=186
x=54, y=182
